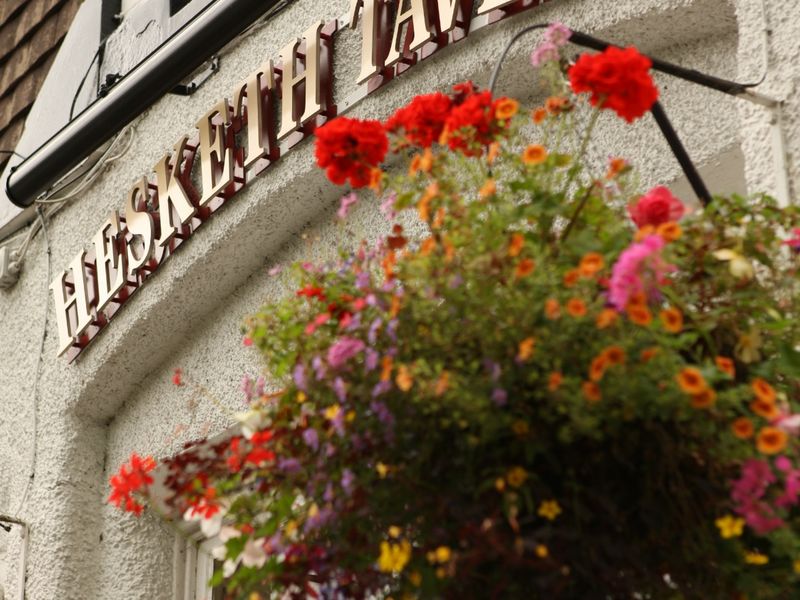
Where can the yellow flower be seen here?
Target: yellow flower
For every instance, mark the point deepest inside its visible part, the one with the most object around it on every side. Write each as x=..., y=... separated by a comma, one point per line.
x=382, y=470
x=796, y=566
x=394, y=557
x=332, y=412
x=542, y=551
x=442, y=554
x=395, y=531
x=748, y=346
x=516, y=476
x=730, y=526
x=756, y=558
x=738, y=265
x=301, y=397
x=549, y=509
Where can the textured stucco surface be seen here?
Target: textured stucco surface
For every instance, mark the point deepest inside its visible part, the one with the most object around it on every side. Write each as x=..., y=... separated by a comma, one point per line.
x=118, y=398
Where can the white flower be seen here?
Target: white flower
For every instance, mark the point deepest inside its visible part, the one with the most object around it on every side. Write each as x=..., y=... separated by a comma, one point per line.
x=251, y=421
x=739, y=266
x=253, y=554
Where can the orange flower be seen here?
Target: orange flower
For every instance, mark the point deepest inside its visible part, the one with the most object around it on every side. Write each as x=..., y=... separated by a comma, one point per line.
x=670, y=231
x=704, y=399
x=571, y=277
x=488, y=189
x=637, y=299
x=606, y=318
x=640, y=315
x=516, y=244
x=771, y=440
x=643, y=232
x=427, y=246
x=765, y=409
x=590, y=264
x=375, y=179
x=591, y=391
x=648, y=354
x=387, y=362
x=525, y=350
x=763, y=390
x=388, y=263
x=505, y=108
x=556, y=104
x=597, y=368
x=554, y=381
x=494, y=150
x=414, y=167
x=438, y=219
x=615, y=167
x=535, y=154
x=691, y=380
x=552, y=309
x=743, y=428
x=672, y=319
x=726, y=365
x=576, y=307
x=615, y=355
x=524, y=268
x=539, y=115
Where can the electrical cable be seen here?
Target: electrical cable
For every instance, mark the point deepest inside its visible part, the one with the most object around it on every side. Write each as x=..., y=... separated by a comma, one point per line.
x=13, y=153
x=85, y=75
x=39, y=361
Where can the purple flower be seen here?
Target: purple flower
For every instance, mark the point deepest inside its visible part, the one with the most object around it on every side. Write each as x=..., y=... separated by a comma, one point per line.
x=299, y=375
x=319, y=367
x=318, y=519
x=343, y=350
x=383, y=413
x=345, y=204
x=371, y=359
x=340, y=388
x=372, y=333
x=362, y=280
x=381, y=388
x=311, y=438
x=499, y=396
x=493, y=368
x=260, y=383
x=289, y=465
x=347, y=481
x=247, y=387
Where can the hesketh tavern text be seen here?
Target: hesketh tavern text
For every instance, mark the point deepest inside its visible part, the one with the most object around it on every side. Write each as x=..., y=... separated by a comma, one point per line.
x=266, y=115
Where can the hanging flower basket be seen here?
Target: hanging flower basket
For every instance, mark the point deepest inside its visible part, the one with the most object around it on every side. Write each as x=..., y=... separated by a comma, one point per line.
x=564, y=389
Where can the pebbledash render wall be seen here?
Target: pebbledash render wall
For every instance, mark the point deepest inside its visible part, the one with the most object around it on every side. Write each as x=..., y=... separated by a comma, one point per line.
x=117, y=397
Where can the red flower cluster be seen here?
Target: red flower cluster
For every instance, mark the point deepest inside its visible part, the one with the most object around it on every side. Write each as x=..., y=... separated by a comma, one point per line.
x=351, y=149
x=473, y=123
x=256, y=455
x=617, y=79
x=132, y=477
x=422, y=121
x=656, y=207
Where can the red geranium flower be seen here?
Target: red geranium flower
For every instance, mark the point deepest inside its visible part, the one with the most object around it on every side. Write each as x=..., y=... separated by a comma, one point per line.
x=656, y=207
x=422, y=121
x=350, y=149
x=617, y=79
x=131, y=478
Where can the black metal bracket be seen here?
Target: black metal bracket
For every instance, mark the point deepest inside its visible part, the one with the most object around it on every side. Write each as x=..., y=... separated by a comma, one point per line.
x=187, y=89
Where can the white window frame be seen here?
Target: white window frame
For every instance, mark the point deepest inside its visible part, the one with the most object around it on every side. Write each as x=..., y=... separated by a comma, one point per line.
x=193, y=566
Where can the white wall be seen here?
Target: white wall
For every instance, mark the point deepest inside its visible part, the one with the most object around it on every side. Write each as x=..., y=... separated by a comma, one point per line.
x=117, y=397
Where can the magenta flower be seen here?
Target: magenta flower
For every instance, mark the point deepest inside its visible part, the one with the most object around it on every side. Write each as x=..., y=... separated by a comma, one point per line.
x=794, y=243
x=640, y=268
x=558, y=34
x=543, y=53
x=656, y=207
x=343, y=350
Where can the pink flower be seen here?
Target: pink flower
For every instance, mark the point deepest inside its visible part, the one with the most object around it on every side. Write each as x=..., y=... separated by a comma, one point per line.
x=794, y=243
x=640, y=268
x=345, y=204
x=558, y=34
x=656, y=207
x=544, y=52
x=343, y=350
